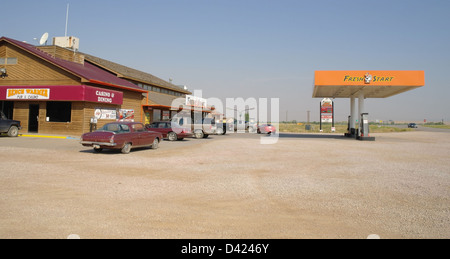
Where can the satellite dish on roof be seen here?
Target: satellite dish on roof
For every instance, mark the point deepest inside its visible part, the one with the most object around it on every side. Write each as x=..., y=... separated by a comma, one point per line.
x=43, y=39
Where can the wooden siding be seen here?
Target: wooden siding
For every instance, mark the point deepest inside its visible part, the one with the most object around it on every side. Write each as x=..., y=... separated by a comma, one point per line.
x=89, y=110
x=75, y=127
x=62, y=53
x=21, y=112
x=81, y=115
x=31, y=70
x=2, y=52
x=133, y=100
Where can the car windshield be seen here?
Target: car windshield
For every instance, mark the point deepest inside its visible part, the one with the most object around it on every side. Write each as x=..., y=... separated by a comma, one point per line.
x=116, y=128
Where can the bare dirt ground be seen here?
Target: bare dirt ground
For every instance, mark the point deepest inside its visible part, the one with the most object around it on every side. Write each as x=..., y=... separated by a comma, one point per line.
x=305, y=186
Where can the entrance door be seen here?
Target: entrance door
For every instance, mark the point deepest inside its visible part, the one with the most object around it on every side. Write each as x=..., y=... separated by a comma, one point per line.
x=33, y=118
x=7, y=108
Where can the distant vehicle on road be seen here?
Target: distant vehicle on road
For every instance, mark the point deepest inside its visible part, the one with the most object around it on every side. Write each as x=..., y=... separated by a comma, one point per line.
x=266, y=129
x=170, y=130
x=412, y=126
x=123, y=136
x=10, y=127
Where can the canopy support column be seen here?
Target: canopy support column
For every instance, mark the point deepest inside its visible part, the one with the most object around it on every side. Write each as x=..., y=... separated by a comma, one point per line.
x=360, y=103
x=360, y=110
x=353, y=116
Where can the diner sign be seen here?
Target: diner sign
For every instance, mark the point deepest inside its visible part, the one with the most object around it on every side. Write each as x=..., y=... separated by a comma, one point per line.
x=103, y=96
x=28, y=94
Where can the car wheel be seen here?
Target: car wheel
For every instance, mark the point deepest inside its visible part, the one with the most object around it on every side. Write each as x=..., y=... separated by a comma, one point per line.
x=199, y=134
x=126, y=148
x=172, y=136
x=155, y=144
x=205, y=136
x=98, y=150
x=13, y=131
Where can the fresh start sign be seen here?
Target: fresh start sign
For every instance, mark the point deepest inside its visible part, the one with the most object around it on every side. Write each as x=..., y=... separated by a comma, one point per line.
x=28, y=94
x=369, y=77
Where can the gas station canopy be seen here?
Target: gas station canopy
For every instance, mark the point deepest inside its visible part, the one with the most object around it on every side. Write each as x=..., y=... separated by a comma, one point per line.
x=373, y=84
x=363, y=85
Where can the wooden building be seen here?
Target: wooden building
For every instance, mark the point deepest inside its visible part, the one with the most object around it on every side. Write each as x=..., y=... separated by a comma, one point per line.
x=163, y=99
x=53, y=90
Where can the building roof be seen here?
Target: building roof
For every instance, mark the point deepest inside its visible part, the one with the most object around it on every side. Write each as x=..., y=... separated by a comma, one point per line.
x=373, y=83
x=132, y=74
x=164, y=100
x=87, y=72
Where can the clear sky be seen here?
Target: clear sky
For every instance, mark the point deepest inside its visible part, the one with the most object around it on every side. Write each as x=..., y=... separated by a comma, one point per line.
x=260, y=48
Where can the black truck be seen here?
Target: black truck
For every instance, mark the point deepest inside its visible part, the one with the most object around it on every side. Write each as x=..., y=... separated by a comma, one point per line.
x=10, y=127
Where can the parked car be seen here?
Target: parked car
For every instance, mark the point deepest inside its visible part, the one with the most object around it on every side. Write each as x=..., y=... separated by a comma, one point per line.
x=200, y=129
x=10, y=127
x=412, y=125
x=123, y=136
x=266, y=129
x=170, y=130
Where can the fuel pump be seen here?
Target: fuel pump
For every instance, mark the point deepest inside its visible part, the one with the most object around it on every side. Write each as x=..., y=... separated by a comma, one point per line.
x=364, y=128
x=351, y=132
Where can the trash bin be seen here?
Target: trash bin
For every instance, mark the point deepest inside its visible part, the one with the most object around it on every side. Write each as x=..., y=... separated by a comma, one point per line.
x=308, y=127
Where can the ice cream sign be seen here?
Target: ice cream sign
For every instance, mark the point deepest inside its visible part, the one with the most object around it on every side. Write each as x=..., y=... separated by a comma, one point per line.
x=28, y=94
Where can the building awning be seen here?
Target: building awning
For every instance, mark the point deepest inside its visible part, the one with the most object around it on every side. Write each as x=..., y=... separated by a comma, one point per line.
x=61, y=93
x=374, y=84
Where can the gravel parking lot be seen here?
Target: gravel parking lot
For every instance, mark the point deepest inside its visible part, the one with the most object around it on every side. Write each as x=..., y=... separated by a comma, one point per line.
x=305, y=186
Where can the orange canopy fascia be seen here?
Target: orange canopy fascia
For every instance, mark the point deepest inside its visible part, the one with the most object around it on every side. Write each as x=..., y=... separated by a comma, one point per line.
x=379, y=77
x=373, y=83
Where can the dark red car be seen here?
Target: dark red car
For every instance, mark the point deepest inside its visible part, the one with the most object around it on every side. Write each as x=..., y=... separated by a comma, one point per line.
x=123, y=136
x=170, y=130
x=266, y=129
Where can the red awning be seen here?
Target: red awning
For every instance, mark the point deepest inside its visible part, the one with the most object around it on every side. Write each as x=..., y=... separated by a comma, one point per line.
x=61, y=93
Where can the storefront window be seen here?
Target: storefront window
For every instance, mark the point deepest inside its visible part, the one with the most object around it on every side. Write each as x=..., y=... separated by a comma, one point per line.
x=166, y=115
x=8, y=61
x=59, y=111
x=173, y=114
x=156, y=115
